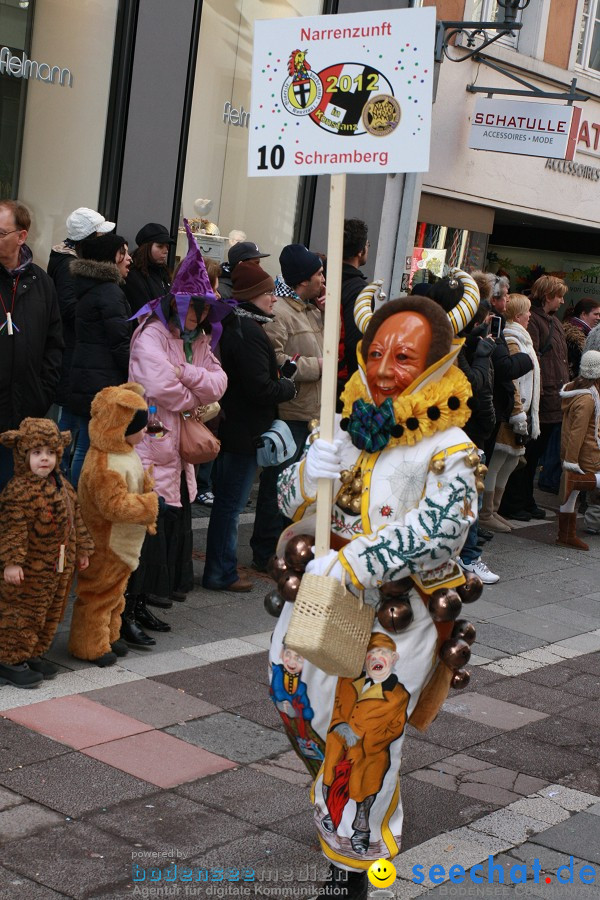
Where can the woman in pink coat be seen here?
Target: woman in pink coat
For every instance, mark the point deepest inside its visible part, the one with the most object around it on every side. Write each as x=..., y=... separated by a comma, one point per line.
x=171, y=357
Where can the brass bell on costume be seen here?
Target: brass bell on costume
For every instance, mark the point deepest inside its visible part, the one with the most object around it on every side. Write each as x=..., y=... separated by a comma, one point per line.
x=438, y=466
x=350, y=496
x=313, y=424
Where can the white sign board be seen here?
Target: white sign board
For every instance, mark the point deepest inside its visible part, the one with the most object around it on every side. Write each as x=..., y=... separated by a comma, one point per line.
x=529, y=129
x=339, y=94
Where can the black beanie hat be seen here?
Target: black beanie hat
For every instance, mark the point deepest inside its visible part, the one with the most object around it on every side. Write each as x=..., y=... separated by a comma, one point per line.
x=139, y=421
x=298, y=264
x=103, y=248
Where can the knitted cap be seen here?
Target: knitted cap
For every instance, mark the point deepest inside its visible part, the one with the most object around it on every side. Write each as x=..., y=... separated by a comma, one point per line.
x=590, y=364
x=249, y=281
x=84, y=222
x=101, y=249
x=298, y=264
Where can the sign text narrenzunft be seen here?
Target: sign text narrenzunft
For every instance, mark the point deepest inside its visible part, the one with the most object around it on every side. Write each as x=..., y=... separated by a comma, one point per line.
x=341, y=94
x=529, y=129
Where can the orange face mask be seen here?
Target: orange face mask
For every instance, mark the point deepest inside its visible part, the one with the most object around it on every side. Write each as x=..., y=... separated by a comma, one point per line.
x=397, y=354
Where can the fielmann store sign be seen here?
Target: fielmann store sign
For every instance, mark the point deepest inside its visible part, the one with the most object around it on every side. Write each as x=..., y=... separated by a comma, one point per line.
x=29, y=68
x=529, y=129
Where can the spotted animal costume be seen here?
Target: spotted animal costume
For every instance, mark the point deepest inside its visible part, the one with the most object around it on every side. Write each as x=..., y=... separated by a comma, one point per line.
x=119, y=507
x=38, y=514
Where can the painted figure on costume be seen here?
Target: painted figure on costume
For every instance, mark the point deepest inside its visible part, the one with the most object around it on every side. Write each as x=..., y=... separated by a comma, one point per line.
x=404, y=488
x=290, y=696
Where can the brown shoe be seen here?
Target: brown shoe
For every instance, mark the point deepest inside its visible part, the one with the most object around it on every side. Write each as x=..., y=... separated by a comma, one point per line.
x=241, y=586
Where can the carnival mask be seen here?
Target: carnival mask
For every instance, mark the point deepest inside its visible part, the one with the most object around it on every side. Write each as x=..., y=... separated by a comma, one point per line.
x=397, y=355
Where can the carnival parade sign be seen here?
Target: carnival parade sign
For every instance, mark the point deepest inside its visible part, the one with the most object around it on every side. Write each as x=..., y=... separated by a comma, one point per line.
x=340, y=94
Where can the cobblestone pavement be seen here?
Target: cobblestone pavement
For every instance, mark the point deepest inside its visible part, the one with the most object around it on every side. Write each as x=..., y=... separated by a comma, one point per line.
x=176, y=756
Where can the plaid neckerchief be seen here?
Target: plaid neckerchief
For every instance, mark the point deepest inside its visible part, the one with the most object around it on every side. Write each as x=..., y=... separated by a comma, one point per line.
x=369, y=426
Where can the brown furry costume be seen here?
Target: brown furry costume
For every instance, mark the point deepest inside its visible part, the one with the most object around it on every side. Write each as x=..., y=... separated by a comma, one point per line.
x=38, y=515
x=118, y=506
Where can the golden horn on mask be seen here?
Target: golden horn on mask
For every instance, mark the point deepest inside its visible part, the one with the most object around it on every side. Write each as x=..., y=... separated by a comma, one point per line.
x=467, y=306
x=363, y=305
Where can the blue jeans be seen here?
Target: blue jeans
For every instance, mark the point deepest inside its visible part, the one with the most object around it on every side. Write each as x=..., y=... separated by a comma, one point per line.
x=269, y=522
x=74, y=455
x=470, y=552
x=233, y=477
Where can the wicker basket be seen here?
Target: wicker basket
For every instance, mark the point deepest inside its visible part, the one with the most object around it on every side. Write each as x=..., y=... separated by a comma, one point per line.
x=330, y=627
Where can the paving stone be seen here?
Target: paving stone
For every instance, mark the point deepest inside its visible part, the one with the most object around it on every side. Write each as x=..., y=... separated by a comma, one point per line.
x=538, y=697
x=485, y=609
x=262, y=639
x=543, y=655
x=455, y=732
x=215, y=685
x=263, y=712
x=26, y=819
x=9, y=799
x=153, y=664
x=64, y=686
x=489, y=711
x=223, y=650
x=287, y=767
x=420, y=798
x=579, y=836
x=75, y=859
x=587, y=662
x=583, y=643
x=19, y=746
x=480, y=678
x=552, y=675
x=509, y=825
x=584, y=685
x=506, y=639
x=594, y=810
x=76, y=721
x=151, y=702
x=275, y=859
x=541, y=808
x=416, y=754
x=255, y=667
x=250, y=795
x=513, y=665
x=561, y=612
x=549, y=629
x=171, y=823
x=74, y=784
x=231, y=736
x=513, y=750
x=583, y=779
x=159, y=758
x=582, y=737
x=16, y=887
x=566, y=798
x=484, y=652
x=462, y=846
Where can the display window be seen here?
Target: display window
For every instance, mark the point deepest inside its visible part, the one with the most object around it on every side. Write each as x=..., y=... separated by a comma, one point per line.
x=218, y=196
x=55, y=74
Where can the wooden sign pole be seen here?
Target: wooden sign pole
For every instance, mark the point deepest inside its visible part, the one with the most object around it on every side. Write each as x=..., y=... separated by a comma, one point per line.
x=331, y=337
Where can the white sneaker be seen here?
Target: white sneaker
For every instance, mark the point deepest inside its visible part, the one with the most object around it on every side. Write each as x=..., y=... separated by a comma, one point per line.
x=478, y=567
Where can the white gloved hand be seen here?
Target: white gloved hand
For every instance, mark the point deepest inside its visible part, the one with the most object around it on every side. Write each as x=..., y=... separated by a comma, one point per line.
x=323, y=460
x=321, y=565
x=573, y=467
x=519, y=423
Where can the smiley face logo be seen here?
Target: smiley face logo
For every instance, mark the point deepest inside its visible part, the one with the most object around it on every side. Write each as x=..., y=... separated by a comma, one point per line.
x=381, y=873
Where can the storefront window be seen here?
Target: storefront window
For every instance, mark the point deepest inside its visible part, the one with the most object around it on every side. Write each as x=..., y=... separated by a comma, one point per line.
x=216, y=187
x=55, y=72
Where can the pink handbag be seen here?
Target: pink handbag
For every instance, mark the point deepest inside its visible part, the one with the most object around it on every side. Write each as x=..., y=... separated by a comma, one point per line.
x=197, y=443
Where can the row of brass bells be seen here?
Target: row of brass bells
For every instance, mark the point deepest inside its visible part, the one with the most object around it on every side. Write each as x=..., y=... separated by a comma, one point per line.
x=472, y=589
x=287, y=571
x=463, y=631
x=455, y=653
x=444, y=605
x=274, y=603
x=350, y=495
x=473, y=461
x=395, y=612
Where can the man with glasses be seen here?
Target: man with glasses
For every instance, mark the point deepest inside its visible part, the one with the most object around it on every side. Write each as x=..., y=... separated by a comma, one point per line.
x=30, y=329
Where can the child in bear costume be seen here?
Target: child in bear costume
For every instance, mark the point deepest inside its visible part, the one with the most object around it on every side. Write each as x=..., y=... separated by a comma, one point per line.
x=43, y=538
x=118, y=506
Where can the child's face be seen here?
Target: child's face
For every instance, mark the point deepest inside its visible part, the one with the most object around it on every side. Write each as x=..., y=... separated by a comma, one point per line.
x=135, y=438
x=42, y=461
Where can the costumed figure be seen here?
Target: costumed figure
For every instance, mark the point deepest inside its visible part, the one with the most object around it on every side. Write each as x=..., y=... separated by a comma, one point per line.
x=290, y=696
x=405, y=494
x=580, y=445
x=119, y=506
x=43, y=540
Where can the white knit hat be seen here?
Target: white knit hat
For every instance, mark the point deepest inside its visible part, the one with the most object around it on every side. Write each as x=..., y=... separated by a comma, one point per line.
x=590, y=364
x=84, y=222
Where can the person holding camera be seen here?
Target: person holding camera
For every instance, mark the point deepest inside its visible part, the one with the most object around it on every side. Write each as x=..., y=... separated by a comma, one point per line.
x=523, y=423
x=254, y=390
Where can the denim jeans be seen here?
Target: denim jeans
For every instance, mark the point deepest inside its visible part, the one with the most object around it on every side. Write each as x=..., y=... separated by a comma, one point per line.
x=233, y=477
x=269, y=522
x=470, y=552
x=74, y=455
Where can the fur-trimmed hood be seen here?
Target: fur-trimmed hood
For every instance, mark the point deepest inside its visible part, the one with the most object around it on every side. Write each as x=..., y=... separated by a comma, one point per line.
x=113, y=409
x=98, y=271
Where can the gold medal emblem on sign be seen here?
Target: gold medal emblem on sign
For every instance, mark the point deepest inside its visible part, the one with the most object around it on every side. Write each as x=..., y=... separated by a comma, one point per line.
x=381, y=115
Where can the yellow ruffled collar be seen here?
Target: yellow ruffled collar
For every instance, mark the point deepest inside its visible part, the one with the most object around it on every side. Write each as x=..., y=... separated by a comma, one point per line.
x=420, y=411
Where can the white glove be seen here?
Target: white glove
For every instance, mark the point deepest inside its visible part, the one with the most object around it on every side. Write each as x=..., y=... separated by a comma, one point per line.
x=519, y=423
x=321, y=565
x=323, y=460
x=573, y=467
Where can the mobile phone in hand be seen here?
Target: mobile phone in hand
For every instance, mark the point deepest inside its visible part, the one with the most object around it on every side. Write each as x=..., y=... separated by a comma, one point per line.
x=495, y=326
x=288, y=369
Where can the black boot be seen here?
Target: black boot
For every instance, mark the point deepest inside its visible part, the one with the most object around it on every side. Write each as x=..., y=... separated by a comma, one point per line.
x=147, y=619
x=47, y=669
x=346, y=885
x=19, y=675
x=119, y=648
x=131, y=632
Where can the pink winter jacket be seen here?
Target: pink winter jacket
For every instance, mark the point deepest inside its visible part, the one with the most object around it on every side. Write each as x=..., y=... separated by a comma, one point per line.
x=154, y=354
